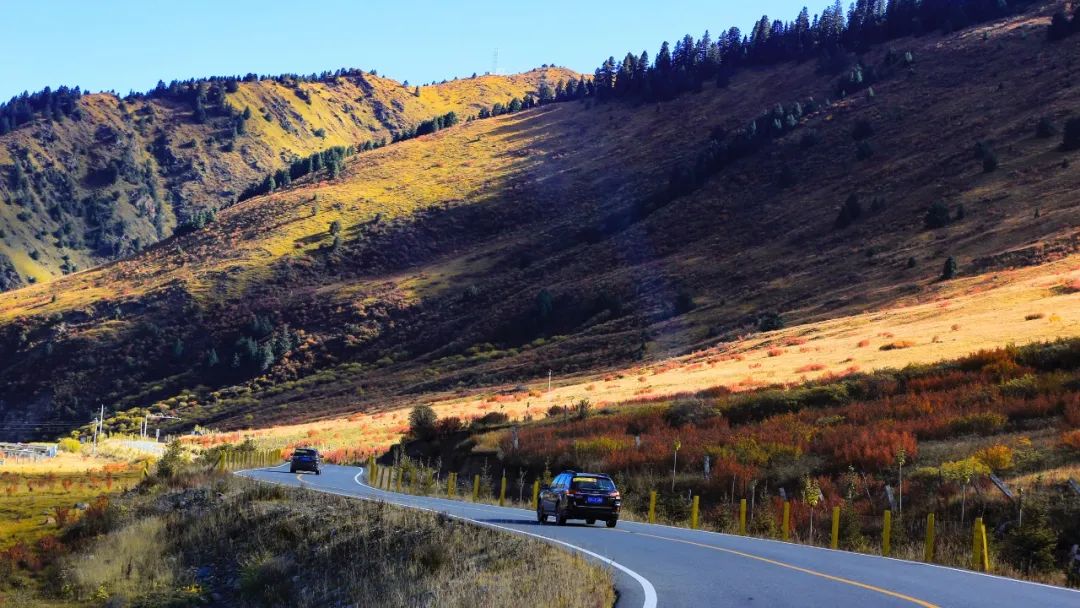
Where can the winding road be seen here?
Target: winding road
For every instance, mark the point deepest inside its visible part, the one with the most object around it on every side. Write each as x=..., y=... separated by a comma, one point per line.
x=658, y=565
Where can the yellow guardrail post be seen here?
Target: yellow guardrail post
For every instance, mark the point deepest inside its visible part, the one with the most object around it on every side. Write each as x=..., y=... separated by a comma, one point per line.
x=928, y=551
x=980, y=561
x=451, y=485
x=886, y=534
x=536, y=494
x=475, y=488
x=787, y=521
x=652, y=507
x=976, y=545
x=400, y=474
x=694, y=513
x=742, y=516
x=502, y=492
x=985, y=548
x=835, y=541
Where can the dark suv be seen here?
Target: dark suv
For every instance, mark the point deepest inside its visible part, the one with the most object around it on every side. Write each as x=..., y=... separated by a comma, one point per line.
x=588, y=496
x=305, y=459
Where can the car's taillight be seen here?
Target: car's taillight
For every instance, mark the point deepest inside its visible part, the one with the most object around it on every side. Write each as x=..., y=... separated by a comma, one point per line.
x=571, y=492
x=614, y=495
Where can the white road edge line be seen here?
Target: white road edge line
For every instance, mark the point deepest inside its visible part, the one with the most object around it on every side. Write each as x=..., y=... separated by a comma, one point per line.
x=767, y=540
x=650, y=592
x=646, y=586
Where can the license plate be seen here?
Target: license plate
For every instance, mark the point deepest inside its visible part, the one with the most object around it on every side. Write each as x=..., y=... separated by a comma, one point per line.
x=595, y=500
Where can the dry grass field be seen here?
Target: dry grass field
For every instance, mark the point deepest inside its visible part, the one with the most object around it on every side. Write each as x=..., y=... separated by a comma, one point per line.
x=38, y=499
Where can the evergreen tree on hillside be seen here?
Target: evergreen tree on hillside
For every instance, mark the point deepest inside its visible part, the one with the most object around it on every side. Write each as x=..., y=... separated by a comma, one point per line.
x=544, y=92
x=950, y=269
x=937, y=216
x=1071, y=139
x=663, y=60
x=850, y=211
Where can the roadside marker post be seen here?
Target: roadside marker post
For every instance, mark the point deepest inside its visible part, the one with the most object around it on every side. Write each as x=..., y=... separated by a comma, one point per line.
x=451, y=485
x=536, y=494
x=834, y=542
x=928, y=552
x=985, y=549
x=502, y=492
x=652, y=507
x=976, y=546
x=400, y=473
x=980, y=561
x=694, y=513
x=787, y=521
x=886, y=534
x=742, y=516
x=475, y=488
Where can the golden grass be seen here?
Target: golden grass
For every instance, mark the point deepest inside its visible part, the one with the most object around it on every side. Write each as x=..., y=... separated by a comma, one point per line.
x=259, y=535
x=987, y=312
x=29, y=500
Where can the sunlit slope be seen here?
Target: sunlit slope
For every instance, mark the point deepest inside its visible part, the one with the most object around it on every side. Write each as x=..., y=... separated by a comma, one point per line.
x=491, y=252
x=118, y=178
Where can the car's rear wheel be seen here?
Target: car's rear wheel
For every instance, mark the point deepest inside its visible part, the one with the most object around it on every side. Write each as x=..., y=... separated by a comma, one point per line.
x=590, y=521
x=292, y=469
x=541, y=517
x=560, y=517
x=611, y=522
x=318, y=471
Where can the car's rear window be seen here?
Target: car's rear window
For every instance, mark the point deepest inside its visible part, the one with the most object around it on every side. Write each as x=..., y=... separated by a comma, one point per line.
x=592, y=483
x=304, y=453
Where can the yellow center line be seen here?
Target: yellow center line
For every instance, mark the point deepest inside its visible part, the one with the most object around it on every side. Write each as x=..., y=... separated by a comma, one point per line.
x=774, y=562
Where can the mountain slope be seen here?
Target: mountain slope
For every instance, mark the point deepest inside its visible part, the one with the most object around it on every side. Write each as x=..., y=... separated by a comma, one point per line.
x=116, y=175
x=550, y=239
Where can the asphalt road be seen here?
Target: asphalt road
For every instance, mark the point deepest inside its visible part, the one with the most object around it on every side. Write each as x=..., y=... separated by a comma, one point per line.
x=663, y=566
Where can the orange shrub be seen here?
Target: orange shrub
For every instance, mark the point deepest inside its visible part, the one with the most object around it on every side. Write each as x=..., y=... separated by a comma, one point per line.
x=775, y=352
x=897, y=344
x=997, y=457
x=810, y=367
x=1071, y=439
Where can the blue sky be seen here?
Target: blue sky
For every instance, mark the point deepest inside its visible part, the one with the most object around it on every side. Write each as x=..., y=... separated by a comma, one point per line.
x=128, y=45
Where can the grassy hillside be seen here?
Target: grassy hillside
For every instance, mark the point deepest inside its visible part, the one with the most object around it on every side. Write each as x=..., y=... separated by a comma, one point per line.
x=488, y=253
x=117, y=174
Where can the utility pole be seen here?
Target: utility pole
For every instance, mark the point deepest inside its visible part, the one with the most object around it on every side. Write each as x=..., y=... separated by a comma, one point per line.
x=98, y=427
x=549, y=381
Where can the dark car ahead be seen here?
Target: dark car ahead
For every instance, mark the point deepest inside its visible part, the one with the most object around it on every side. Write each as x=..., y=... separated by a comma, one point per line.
x=588, y=496
x=305, y=459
